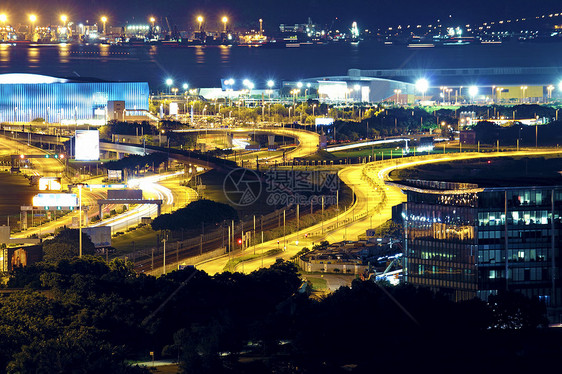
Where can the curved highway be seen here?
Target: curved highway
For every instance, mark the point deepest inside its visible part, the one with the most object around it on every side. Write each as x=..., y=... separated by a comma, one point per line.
x=373, y=206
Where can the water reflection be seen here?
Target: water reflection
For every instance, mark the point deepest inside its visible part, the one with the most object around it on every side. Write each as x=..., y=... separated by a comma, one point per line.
x=199, y=54
x=63, y=53
x=225, y=53
x=33, y=57
x=4, y=53
x=104, y=50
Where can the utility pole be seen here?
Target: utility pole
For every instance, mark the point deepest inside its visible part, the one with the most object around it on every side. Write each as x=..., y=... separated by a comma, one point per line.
x=284, y=238
x=164, y=258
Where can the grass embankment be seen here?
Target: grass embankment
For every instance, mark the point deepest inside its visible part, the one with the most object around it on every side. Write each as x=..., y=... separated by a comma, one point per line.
x=142, y=237
x=232, y=264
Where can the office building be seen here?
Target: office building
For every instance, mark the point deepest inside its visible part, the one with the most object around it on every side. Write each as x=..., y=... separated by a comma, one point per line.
x=467, y=241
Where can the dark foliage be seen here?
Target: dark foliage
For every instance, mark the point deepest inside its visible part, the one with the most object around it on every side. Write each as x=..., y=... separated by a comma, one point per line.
x=192, y=216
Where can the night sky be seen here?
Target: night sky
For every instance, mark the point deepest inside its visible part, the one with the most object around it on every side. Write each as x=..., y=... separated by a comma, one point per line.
x=244, y=13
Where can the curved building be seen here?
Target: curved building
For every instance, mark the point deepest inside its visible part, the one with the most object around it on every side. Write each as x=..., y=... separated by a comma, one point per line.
x=25, y=97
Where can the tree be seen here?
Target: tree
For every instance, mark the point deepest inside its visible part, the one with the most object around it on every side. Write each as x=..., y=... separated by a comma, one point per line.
x=67, y=245
x=192, y=216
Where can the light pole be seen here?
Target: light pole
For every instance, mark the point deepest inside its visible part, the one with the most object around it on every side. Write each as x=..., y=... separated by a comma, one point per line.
x=472, y=92
x=200, y=20
x=549, y=89
x=523, y=89
x=164, y=258
x=498, y=93
x=104, y=20
x=3, y=19
x=169, y=83
x=32, y=19
x=397, y=93
x=80, y=185
x=422, y=86
x=224, y=21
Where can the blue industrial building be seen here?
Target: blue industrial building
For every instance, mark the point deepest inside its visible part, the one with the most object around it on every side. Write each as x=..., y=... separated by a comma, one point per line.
x=24, y=97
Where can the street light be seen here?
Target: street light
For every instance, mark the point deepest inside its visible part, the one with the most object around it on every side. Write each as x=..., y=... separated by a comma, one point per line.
x=523, y=89
x=32, y=18
x=443, y=89
x=3, y=19
x=397, y=92
x=472, y=92
x=80, y=185
x=200, y=20
x=224, y=21
x=549, y=89
x=169, y=83
x=498, y=93
x=152, y=20
x=104, y=20
x=63, y=19
x=422, y=85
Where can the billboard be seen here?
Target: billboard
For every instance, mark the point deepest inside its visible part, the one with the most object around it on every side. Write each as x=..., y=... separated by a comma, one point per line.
x=124, y=194
x=100, y=236
x=55, y=200
x=87, y=145
x=173, y=109
x=323, y=121
x=50, y=184
x=115, y=174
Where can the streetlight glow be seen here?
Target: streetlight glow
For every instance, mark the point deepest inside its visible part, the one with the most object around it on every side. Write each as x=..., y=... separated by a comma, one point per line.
x=169, y=81
x=422, y=85
x=270, y=83
x=63, y=18
x=32, y=17
x=3, y=18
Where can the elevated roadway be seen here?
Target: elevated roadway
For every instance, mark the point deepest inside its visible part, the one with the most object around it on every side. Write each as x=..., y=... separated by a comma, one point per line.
x=372, y=207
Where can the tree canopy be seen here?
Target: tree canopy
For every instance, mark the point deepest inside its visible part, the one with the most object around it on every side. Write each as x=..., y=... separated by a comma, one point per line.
x=192, y=216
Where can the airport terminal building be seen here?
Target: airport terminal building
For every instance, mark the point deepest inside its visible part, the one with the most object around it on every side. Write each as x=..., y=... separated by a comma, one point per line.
x=25, y=97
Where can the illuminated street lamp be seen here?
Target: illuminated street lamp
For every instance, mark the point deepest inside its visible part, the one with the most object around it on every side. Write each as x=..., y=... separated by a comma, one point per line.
x=422, y=86
x=550, y=88
x=3, y=19
x=200, y=20
x=63, y=19
x=32, y=19
x=397, y=92
x=224, y=21
x=169, y=83
x=472, y=92
x=104, y=20
x=443, y=90
x=523, y=89
x=498, y=93
x=152, y=20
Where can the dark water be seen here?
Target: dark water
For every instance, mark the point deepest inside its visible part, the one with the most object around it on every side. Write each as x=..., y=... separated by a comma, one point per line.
x=205, y=66
x=15, y=191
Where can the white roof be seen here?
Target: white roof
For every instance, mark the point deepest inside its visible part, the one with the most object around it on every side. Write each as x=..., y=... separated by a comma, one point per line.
x=20, y=78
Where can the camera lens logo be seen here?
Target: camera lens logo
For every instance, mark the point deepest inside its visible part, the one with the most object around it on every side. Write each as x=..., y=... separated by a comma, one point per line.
x=242, y=187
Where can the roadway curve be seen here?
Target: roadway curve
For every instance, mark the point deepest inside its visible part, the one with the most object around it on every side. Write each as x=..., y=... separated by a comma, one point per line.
x=307, y=142
x=373, y=206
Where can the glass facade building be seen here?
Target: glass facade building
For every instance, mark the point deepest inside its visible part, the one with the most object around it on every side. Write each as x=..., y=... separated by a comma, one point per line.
x=475, y=243
x=24, y=97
